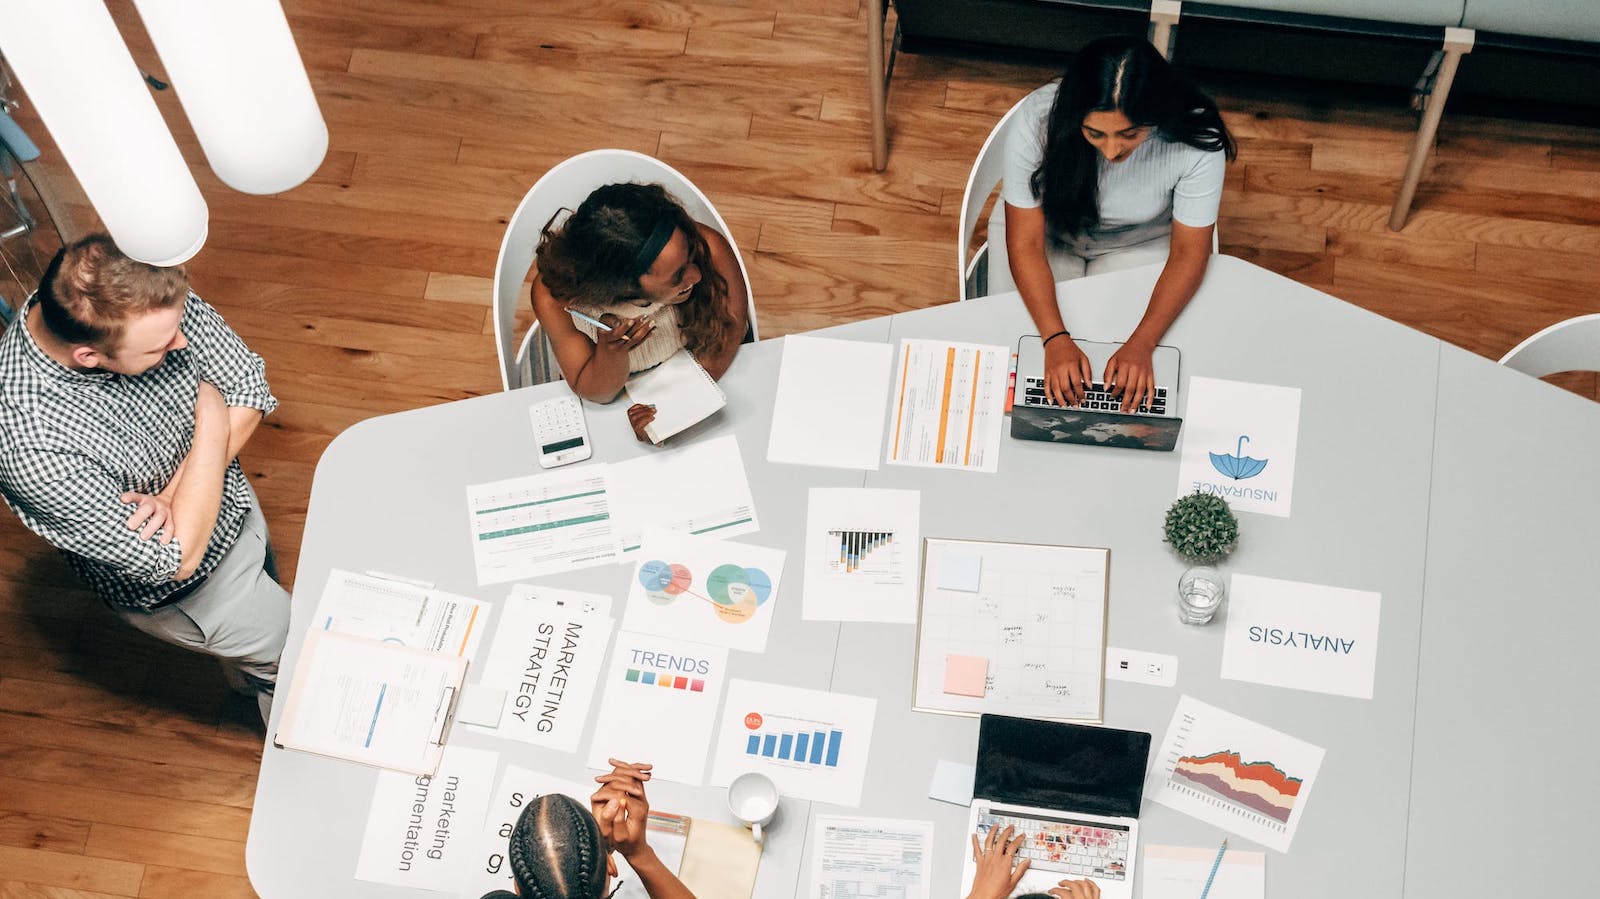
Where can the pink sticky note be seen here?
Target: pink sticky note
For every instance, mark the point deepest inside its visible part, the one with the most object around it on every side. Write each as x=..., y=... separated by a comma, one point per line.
x=965, y=675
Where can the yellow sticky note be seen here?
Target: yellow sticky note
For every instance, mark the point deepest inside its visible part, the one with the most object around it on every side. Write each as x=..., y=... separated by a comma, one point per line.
x=965, y=675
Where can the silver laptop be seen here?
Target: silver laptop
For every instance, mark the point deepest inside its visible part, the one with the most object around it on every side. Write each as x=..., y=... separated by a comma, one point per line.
x=1099, y=420
x=1071, y=789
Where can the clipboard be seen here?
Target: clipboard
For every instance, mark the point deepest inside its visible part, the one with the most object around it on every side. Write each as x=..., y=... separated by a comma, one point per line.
x=367, y=701
x=1036, y=614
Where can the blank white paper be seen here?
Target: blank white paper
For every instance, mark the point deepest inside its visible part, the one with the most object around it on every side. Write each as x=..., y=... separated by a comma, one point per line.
x=831, y=401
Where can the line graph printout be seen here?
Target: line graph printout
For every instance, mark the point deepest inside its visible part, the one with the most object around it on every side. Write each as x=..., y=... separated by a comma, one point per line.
x=861, y=555
x=696, y=489
x=541, y=524
x=949, y=405
x=705, y=590
x=1037, y=614
x=1234, y=773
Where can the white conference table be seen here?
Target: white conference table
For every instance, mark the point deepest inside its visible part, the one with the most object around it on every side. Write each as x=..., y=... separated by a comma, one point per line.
x=1455, y=488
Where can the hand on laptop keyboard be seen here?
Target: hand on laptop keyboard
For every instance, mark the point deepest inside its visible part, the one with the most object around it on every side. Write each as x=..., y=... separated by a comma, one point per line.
x=1096, y=397
x=1132, y=369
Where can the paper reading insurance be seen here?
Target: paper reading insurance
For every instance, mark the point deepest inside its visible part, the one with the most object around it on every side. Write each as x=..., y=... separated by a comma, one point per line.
x=541, y=524
x=949, y=403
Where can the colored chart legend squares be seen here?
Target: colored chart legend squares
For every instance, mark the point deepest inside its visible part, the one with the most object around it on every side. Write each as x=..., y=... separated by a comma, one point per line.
x=808, y=747
x=671, y=681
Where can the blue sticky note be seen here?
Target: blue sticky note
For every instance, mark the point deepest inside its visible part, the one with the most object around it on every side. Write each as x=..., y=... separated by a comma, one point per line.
x=960, y=571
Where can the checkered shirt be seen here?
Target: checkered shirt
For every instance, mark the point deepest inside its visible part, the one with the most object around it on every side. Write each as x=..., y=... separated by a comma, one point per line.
x=71, y=443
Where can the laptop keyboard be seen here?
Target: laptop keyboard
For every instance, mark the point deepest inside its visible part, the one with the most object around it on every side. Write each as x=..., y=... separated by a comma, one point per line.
x=1079, y=848
x=1096, y=398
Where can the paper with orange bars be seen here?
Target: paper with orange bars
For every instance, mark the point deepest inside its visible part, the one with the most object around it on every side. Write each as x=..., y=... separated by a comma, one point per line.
x=1234, y=773
x=949, y=405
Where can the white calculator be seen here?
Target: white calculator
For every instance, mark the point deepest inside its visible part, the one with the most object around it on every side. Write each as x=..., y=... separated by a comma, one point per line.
x=559, y=431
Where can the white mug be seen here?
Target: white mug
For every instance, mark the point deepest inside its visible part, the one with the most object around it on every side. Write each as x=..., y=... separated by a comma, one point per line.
x=753, y=799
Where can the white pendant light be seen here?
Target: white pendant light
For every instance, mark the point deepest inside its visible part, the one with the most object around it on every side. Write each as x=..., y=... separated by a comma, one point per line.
x=238, y=74
x=90, y=95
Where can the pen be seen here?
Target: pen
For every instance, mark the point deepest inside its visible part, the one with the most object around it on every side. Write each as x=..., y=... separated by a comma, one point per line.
x=1214, y=866
x=591, y=320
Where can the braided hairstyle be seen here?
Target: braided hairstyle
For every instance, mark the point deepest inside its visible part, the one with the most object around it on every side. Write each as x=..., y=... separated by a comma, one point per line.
x=556, y=852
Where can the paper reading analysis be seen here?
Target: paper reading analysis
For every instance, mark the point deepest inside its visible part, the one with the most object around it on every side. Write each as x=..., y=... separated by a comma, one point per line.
x=528, y=688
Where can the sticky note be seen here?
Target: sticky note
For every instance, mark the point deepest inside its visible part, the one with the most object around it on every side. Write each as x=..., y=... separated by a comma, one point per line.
x=965, y=675
x=952, y=782
x=960, y=571
x=480, y=704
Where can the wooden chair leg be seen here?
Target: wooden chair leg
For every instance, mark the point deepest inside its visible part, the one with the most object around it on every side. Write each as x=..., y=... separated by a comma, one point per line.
x=1164, y=16
x=877, y=87
x=1457, y=42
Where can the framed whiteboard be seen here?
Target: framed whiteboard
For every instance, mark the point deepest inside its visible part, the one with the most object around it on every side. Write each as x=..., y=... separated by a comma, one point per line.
x=1035, y=614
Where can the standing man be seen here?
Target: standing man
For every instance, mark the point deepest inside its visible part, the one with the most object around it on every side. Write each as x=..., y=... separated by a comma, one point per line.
x=124, y=400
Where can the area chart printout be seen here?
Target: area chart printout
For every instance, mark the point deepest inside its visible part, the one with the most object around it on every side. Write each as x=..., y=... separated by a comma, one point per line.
x=861, y=555
x=813, y=744
x=1234, y=773
x=949, y=405
x=541, y=524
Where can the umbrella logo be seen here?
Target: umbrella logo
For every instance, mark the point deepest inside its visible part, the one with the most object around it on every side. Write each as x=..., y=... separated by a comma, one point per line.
x=1238, y=466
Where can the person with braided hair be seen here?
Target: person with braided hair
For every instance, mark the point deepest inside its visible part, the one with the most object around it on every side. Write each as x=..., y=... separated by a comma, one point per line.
x=561, y=850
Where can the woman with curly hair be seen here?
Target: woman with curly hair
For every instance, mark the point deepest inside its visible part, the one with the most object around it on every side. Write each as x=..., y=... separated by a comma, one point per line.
x=631, y=259
x=1119, y=164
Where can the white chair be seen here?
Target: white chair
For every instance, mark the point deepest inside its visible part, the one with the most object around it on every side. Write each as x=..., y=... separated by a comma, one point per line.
x=1571, y=345
x=986, y=174
x=564, y=187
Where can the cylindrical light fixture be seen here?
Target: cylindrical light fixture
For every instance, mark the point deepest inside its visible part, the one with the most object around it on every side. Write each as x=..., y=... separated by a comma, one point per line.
x=81, y=78
x=239, y=77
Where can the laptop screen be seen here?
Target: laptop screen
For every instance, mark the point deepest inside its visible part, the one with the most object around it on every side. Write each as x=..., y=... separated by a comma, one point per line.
x=1054, y=765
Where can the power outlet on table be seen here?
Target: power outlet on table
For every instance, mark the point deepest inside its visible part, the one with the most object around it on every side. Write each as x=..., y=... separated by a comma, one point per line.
x=1151, y=668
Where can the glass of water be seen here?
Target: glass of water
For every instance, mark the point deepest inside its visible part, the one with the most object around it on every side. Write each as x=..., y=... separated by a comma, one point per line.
x=1200, y=593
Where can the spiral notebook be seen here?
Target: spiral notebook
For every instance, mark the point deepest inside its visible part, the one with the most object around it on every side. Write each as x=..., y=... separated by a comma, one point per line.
x=683, y=393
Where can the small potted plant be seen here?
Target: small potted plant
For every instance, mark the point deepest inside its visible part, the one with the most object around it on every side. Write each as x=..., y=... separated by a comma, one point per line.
x=1203, y=531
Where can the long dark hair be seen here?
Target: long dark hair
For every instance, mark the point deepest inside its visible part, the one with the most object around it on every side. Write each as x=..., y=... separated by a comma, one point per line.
x=1126, y=75
x=592, y=259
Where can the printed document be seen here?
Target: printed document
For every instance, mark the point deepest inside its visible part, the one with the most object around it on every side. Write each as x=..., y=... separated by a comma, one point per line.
x=1303, y=636
x=813, y=744
x=1239, y=442
x=862, y=548
x=546, y=657
x=370, y=702
x=541, y=524
x=878, y=857
x=709, y=591
x=660, y=704
x=398, y=612
x=696, y=489
x=949, y=405
x=831, y=402
x=422, y=831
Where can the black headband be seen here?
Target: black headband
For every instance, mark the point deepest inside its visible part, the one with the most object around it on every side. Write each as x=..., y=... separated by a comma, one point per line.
x=651, y=248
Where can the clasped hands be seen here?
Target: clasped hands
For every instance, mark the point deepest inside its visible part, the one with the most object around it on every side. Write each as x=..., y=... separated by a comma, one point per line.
x=1129, y=375
x=621, y=809
x=1000, y=869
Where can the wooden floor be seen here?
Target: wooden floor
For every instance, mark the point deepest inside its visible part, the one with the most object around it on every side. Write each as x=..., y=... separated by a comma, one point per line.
x=126, y=769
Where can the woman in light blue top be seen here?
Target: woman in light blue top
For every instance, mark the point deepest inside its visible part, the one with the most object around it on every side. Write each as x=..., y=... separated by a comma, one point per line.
x=1119, y=164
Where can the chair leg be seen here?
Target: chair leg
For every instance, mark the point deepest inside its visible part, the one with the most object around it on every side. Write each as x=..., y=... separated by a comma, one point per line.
x=877, y=84
x=1457, y=42
x=1164, y=16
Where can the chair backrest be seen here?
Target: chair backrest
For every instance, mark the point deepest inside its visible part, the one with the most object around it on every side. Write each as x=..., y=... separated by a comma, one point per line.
x=565, y=186
x=986, y=174
x=1571, y=345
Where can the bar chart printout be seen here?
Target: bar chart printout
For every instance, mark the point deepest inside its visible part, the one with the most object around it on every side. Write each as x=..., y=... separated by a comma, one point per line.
x=861, y=554
x=813, y=744
x=870, y=554
x=1234, y=773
